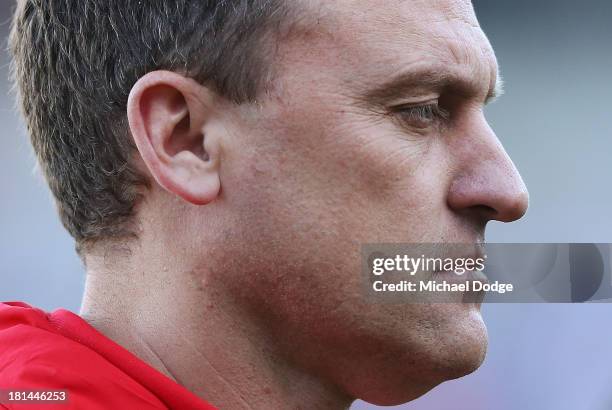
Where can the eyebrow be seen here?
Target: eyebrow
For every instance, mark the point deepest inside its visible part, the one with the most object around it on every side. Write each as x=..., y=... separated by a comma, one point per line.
x=428, y=80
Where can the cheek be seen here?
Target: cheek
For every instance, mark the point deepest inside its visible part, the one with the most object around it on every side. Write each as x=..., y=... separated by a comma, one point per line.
x=317, y=185
x=376, y=178
x=343, y=177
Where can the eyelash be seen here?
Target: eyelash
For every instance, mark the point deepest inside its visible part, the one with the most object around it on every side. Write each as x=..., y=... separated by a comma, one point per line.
x=422, y=116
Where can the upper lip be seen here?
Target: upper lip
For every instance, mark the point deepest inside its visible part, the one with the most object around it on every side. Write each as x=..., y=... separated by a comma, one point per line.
x=467, y=250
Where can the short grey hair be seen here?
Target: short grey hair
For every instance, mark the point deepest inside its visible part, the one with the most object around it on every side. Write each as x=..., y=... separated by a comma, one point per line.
x=74, y=64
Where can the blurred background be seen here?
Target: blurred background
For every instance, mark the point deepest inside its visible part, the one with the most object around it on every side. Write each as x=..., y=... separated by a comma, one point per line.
x=556, y=123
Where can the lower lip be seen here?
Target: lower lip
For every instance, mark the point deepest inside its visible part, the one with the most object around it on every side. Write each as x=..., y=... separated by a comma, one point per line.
x=450, y=276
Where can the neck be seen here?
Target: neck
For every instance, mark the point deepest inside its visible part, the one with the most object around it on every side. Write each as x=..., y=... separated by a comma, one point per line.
x=196, y=335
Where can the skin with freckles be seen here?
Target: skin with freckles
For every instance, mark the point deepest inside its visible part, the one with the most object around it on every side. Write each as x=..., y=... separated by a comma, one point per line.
x=244, y=284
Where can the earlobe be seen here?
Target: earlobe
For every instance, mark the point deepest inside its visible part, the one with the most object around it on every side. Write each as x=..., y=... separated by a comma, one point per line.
x=168, y=116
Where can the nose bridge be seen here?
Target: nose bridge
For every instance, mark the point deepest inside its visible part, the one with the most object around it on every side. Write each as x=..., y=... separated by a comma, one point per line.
x=486, y=177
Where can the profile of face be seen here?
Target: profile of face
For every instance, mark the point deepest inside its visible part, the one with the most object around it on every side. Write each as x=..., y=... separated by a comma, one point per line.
x=374, y=132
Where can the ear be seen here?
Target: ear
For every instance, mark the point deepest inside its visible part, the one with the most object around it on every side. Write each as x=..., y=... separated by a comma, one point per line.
x=168, y=116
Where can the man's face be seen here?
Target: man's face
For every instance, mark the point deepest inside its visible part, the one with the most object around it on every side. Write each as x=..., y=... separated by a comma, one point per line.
x=375, y=133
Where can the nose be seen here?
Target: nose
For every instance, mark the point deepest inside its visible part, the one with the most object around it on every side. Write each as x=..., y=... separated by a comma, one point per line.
x=485, y=181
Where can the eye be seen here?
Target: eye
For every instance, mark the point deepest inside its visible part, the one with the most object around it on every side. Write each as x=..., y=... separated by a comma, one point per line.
x=422, y=116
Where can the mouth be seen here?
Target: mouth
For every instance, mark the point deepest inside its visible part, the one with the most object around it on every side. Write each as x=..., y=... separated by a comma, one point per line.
x=471, y=267
x=452, y=276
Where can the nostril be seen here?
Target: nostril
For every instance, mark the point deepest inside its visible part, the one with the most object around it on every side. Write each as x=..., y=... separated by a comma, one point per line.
x=487, y=211
x=514, y=208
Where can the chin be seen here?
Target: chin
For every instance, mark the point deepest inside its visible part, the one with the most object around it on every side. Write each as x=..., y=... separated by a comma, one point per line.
x=467, y=348
x=456, y=348
x=461, y=346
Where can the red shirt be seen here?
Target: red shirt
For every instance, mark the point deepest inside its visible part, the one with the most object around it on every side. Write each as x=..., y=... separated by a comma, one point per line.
x=61, y=351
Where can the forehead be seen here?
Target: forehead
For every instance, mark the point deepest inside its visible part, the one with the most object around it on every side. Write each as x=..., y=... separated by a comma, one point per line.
x=375, y=39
